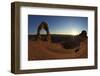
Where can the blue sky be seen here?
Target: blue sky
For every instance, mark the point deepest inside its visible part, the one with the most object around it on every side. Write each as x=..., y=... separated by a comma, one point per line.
x=58, y=24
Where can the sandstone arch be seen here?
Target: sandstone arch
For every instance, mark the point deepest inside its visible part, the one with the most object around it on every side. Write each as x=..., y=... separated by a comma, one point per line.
x=43, y=25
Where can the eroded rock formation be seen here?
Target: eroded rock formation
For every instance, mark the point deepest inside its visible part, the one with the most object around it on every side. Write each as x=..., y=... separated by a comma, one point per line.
x=43, y=25
x=83, y=35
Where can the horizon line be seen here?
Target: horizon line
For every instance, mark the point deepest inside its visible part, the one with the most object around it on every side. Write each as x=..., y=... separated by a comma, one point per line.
x=54, y=34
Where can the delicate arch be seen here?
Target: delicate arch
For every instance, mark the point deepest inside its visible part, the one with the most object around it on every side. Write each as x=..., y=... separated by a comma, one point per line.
x=43, y=25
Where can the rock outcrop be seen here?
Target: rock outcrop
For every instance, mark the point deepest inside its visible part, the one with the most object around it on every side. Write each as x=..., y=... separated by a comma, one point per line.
x=44, y=26
x=83, y=35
